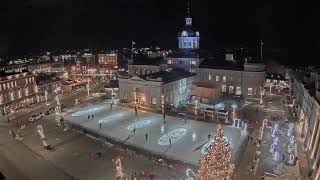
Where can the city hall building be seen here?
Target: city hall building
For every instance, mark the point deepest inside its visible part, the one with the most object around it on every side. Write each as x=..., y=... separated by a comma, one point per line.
x=147, y=90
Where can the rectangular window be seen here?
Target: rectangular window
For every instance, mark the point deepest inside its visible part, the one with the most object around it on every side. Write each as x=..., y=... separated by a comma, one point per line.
x=210, y=77
x=11, y=84
x=154, y=100
x=15, y=83
x=4, y=86
x=224, y=88
x=184, y=44
x=192, y=70
x=224, y=79
x=238, y=91
x=11, y=96
x=0, y=87
x=180, y=62
x=217, y=78
x=231, y=89
x=189, y=44
x=1, y=99
x=8, y=85
x=193, y=62
x=249, y=91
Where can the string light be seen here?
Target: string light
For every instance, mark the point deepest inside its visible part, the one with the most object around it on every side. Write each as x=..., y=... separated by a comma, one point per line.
x=217, y=164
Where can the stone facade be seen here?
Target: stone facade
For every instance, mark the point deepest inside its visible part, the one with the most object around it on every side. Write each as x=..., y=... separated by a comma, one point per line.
x=136, y=70
x=148, y=91
x=306, y=108
x=245, y=83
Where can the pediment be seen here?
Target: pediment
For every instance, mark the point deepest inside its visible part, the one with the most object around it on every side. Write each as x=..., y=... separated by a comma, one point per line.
x=136, y=78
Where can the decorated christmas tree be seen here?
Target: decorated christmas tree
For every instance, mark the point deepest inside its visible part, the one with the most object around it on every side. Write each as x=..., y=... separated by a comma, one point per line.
x=217, y=164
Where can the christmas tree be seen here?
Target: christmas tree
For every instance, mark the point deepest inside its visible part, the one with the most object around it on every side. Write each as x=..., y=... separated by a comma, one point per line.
x=217, y=164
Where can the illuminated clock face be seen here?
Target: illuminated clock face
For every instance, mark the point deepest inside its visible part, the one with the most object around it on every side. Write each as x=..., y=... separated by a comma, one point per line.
x=184, y=33
x=197, y=33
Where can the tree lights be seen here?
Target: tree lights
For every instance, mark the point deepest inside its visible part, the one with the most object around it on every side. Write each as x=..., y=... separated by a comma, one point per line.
x=217, y=164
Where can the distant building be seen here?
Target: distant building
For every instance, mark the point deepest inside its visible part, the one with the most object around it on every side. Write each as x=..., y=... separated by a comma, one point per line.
x=144, y=65
x=17, y=90
x=49, y=85
x=146, y=90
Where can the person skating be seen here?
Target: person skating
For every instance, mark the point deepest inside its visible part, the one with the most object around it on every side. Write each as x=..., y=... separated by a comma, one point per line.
x=92, y=116
x=134, y=131
x=89, y=116
x=136, y=110
x=146, y=136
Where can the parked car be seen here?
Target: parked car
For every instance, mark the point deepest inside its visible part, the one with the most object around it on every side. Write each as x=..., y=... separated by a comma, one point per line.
x=36, y=117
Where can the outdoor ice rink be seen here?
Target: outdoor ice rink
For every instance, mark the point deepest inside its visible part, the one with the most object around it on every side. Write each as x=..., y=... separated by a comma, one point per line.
x=188, y=141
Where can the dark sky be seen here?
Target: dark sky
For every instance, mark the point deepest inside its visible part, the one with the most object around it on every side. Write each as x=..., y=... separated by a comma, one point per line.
x=32, y=25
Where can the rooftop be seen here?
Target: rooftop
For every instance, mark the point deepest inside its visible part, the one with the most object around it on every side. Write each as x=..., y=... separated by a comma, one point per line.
x=211, y=63
x=143, y=60
x=43, y=78
x=189, y=53
x=167, y=77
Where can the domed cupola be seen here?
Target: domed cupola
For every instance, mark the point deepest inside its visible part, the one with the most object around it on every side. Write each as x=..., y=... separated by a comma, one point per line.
x=188, y=37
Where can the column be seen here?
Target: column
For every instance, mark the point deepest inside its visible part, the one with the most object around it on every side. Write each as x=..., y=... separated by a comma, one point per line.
x=317, y=176
x=315, y=163
x=314, y=132
x=314, y=148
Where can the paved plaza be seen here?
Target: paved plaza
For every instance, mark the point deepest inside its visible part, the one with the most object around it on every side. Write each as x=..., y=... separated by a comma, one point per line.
x=174, y=139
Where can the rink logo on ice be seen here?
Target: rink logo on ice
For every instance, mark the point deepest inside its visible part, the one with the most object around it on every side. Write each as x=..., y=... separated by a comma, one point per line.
x=174, y=135
x=139, y=124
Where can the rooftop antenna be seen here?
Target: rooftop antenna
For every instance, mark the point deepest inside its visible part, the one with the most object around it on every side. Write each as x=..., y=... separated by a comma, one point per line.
x=261, y=47
x=188, y=7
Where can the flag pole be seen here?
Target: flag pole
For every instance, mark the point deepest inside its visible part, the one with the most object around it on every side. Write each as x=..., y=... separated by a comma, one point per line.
x=261, y=45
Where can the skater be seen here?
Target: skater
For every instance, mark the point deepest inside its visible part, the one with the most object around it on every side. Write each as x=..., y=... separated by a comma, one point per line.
x=170, y=141
x=164, y=117
x=209, y=137
x=92, y=116
x=136, y=110
x=88, y=116
x=146, y=136
x=19, y=136
x=283, y=157
x=134, y=131
x=111, y=106
x=100, y=125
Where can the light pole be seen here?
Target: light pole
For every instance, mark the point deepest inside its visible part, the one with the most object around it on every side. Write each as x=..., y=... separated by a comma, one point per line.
x=261, y=94
x=162, y=104
x=88, y=87
x=234, y=106
x=58, y=108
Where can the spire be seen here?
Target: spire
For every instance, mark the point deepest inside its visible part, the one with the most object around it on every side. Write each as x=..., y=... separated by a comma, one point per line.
x=188, y=17
x=188, y=8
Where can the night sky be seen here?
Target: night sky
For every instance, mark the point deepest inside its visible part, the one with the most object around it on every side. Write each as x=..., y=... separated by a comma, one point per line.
x=34, y=25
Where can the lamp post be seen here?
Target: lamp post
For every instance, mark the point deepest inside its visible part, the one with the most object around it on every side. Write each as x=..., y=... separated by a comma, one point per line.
x=234, y=106
x=162, y=104
x=88, y=87
x=261, y=94
x=58, y=108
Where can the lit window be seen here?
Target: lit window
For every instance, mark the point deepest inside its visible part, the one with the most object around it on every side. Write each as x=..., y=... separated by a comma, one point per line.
x=19, y=93
x=11, y=96
x=170, y=61
x=224, y=88
x=15, y=83
x=210, y=77
x=154, y=100
x=249, y=91
x=4, y=86
x=230, y=89
x=192, y=70
x=11, y=84
x=1, y=99
x=27, y=91
x=217, y=78
x=224, y=79
x=238, y=91
x=26, y=80
x=8, y=85
x=193, y=62
x=0, y=88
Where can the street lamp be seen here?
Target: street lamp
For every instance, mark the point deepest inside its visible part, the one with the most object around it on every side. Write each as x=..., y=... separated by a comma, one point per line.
x=234, y=106
x=88, y=87
x=261, y=94
x=162, y=104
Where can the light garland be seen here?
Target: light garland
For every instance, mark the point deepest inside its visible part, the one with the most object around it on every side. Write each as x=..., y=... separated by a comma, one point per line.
x=217, y=164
